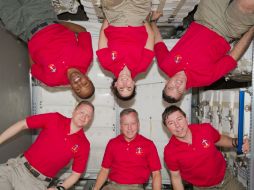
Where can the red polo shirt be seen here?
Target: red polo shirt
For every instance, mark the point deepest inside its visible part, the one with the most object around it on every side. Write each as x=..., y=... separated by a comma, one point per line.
x=54, y=147
x=199, y=163
x=55, y=49
x=131, y=162
x=200, y=53
x=125, y=48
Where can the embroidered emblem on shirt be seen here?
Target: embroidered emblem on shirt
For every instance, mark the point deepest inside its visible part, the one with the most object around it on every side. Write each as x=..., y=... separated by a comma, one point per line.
x=113, y=55
x=178, y=58
x=205, y=143
x=139, y=151
x=52, y=68
x=75, y=148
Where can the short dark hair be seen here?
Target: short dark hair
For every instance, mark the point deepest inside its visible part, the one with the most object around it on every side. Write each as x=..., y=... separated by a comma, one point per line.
x=128, y=111
x=169, y=110
x=84, y=102
x=116, y=93
x=169, y=99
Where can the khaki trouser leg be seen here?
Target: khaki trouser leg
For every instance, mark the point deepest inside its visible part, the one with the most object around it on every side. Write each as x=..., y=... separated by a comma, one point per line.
x=111, y=186
x=224, y=17
x=5, y=177
x=230, y=182
x=21, y=16
x=211, y=13
x=15, y=174
x=125, y=12
x=238, y=22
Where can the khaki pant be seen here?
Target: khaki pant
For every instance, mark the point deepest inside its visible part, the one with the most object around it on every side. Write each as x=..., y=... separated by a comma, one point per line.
x=21, y=16
x=224, y=18
x=15, y=176
x=126, y=12
x=229, y=183
x=116, y=186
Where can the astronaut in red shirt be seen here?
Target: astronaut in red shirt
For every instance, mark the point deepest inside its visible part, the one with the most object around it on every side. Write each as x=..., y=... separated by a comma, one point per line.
x=129, y=158
x=192, y=153
x=60, y=141
x=203, y=54
x=60, y=52
x=126, y=43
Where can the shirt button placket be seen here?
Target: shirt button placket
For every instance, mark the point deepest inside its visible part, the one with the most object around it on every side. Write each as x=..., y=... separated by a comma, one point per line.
x=128, y=146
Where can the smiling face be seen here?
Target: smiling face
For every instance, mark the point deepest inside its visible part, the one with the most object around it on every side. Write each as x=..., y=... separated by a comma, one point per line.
x=125, y=85
x=82, y=115
x=129, y=125
x=176, y=85
x=80, y=84
x=177, y=124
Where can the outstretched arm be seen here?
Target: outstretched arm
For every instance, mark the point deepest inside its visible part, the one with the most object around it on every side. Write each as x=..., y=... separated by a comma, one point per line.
x=242, y=45
x=230, y=61
x=228, y=142
x=13, y=130
x=103, y=41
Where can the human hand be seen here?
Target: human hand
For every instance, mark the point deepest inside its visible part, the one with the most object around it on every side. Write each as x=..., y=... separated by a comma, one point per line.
x=246, y=145
x=153, y=16
x=156, y=15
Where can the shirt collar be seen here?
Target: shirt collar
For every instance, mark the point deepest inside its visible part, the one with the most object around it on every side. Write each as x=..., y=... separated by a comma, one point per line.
x=178, y=142
x=132, y=141
x=80, y=132
x=68, y=128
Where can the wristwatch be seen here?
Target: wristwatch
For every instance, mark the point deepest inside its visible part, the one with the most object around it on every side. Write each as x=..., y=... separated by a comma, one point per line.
x=154, y=20
x=59, y=187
